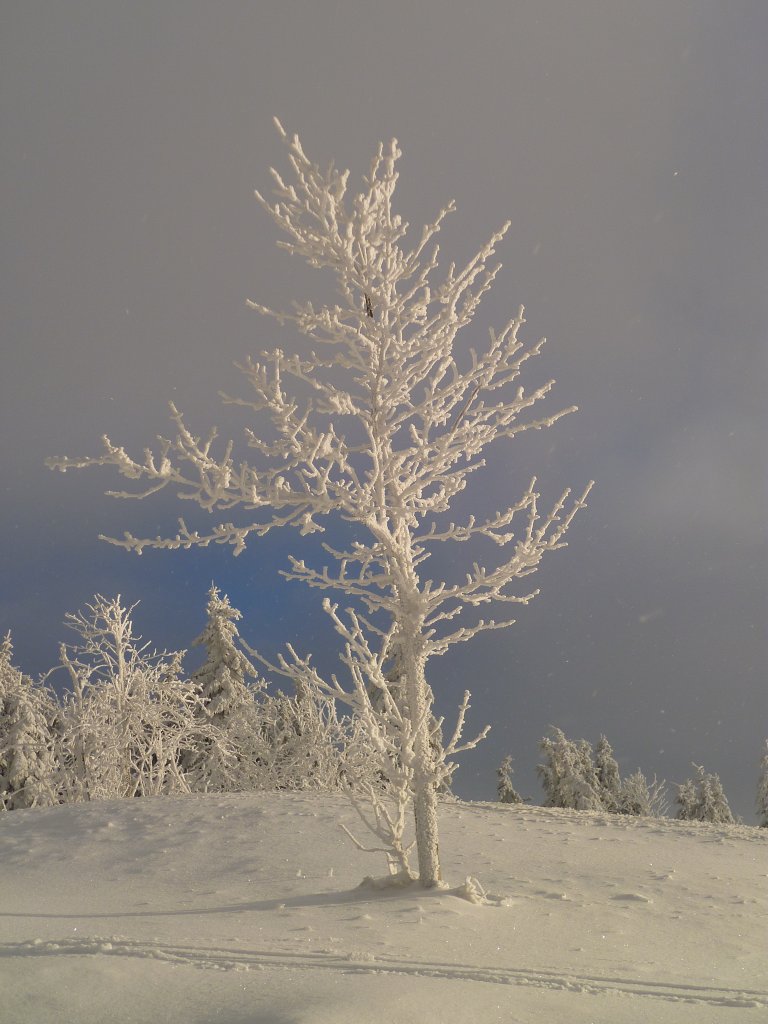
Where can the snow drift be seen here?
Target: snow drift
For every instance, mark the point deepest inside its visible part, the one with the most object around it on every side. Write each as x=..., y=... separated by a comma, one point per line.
x=248, y=908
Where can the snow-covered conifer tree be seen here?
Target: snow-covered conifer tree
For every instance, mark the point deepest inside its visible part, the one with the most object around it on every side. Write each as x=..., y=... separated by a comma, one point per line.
x=703, y=799
x=686, y=800
x=222, y=676
x=713, y=804
x=608, y=775
x=232, y=748
x=762, y=789
x=504, y=786
x=27, y=764
x=576, y=776
x=568, y=775
x=380, y=421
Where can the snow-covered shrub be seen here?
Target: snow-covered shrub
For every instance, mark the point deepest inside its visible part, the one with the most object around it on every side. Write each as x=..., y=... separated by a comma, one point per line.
x=27, y=764
x=638, y=796
x=703, y=799
x=308, y=745
x=263, y=740
x=129, y=715
x=130, y=724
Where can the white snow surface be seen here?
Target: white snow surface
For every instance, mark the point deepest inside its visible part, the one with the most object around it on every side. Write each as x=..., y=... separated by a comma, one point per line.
x=247, y=909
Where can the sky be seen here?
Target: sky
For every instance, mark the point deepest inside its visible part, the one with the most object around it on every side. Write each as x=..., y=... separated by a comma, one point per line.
x=627, y=143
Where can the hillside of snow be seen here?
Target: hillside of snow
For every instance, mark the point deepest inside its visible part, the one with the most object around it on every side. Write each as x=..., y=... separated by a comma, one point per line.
x=247, y=909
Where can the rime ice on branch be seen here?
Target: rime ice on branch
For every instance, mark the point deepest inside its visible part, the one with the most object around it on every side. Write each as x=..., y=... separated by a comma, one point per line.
x=392, y=427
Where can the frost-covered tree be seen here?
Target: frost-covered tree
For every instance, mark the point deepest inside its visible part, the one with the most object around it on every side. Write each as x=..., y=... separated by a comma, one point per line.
x=703, y=799
x=568, y=773
x=608, y=776
x=27, y=764
x=638, y=796
x=713, y=805
x=307, y=744
x=576, y=776
x=686, y=800
x=505, y=788
x=261, y=740
x=129, y=714
x=232, y=746
x=762, y=789
x=222, y=678
x=380, y=421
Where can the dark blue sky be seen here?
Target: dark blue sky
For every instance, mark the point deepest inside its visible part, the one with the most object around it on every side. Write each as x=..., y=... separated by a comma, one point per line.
x=627, y=143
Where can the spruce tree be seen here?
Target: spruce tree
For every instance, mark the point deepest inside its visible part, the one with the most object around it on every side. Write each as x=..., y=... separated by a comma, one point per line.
x=576, y=776
x=714, y=805
x=569, y=776
x=222, y=676
x=225, y=758
x=608, y=776
x=686, y=801
x=703, y=799
x=27, y=765
x=504, y=787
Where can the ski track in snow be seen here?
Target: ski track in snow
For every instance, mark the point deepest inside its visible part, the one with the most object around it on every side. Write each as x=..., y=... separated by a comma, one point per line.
x=365, y=963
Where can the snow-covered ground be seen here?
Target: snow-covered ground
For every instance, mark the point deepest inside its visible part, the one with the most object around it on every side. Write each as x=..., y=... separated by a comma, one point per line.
x=246, y=909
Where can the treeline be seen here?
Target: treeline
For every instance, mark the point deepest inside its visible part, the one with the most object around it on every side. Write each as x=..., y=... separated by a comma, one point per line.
x=577, y=776
x=130, y=723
